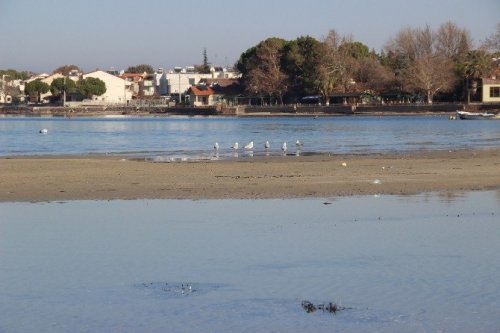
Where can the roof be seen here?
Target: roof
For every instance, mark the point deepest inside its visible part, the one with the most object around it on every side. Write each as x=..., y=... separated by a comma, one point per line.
x=133, y=76
x=105, y=76
x=222, y=82
x=202, y=90
x=491, y=81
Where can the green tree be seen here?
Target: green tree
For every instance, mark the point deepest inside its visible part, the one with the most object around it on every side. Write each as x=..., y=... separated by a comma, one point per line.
x=61, y=85
x=36, y=88
x=356, y=50
x=140, y=69
x=90, y=86
x=300, y=60
x=205, y=67
x=66, y=69
x=15, y=75
x=472, y=66
x=247, y=61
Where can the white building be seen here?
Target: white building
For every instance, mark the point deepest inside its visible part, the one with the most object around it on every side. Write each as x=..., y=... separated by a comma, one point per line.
x=48, y=80
x=117, y=89
x=179, y=80
x=8, y=87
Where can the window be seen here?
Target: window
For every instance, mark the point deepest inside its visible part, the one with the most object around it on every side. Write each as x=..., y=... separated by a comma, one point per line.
x=191, y=82
x=494, y=91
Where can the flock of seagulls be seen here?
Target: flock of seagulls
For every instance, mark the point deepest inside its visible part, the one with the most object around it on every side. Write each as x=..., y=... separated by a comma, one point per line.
x=267, y=146
x=235, y=146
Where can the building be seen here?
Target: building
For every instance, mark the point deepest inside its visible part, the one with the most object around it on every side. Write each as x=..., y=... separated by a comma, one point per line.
x=143, y=86
x=118, y=90
x=491, y=90
x=45, y=97
x=134, y=79
x=176, y=82
x=73, y=75
x=211, y=92
x=11, y=90
x=202, y=95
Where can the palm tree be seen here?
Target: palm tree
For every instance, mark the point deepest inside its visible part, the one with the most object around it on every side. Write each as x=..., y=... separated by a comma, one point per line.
x=473, y=66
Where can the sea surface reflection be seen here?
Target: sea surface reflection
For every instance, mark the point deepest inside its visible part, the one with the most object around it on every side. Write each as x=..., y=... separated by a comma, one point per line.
x=397, y=264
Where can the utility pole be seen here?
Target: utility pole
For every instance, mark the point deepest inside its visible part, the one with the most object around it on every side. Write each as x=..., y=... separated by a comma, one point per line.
x=64, y=91
x=179, y=88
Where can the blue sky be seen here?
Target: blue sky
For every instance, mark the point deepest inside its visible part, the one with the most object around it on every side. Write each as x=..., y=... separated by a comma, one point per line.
x=41, y=35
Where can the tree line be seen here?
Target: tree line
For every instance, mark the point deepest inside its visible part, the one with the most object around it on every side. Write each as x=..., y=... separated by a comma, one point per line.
x=86, y=88
x=419, y=61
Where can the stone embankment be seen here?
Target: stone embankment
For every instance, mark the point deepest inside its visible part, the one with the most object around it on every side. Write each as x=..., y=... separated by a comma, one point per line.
x=290, y=110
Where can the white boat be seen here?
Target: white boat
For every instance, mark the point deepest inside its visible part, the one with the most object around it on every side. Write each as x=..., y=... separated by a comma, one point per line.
x=475, y=115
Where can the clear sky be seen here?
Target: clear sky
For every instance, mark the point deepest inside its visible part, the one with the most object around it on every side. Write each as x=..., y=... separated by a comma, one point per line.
x=40, y=35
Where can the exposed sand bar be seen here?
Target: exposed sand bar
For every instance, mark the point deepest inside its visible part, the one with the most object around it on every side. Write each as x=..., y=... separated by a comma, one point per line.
x=106, y=178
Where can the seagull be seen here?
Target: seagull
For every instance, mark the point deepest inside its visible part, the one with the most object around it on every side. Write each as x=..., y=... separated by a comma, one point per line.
x=249, y=145
x=44, y=131
x=235, y=146
x=267, y=145
x=216, y=146
x=283, y=147
x=298, y=143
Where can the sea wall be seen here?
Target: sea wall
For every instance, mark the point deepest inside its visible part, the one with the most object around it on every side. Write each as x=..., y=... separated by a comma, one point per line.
x=242, y=110
x=399, y=109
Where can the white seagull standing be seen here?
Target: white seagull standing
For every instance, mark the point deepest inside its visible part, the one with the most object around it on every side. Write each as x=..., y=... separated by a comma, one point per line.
x=267, y=145
x=284, y=147
x=298, y=143
x=216, y=146
x=249, y=145
x=235, y=146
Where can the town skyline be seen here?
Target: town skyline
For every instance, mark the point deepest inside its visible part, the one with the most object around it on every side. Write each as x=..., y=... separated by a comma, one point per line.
x=120, y=34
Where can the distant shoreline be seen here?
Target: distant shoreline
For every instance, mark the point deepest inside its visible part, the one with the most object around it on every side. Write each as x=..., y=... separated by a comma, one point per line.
x=54, y=178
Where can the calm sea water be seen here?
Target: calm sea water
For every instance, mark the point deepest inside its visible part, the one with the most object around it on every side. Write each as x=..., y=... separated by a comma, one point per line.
x=426, y=263
x=194, y=137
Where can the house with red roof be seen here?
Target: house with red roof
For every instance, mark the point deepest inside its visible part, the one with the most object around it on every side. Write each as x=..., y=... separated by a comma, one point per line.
x=215, y=91
x=203, y=95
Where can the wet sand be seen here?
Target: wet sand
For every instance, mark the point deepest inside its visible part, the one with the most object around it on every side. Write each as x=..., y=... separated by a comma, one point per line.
x=55, y=178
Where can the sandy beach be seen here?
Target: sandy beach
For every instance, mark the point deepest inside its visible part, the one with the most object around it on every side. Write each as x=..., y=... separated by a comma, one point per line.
x=55, y=178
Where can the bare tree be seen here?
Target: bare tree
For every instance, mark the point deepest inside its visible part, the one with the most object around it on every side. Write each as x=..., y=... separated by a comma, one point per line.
x=370, y=74
x=492, y=43
x=452, y=41
x=267, y=77
x=328, y=69
x=335, y=66
x=66, y=69
x=413, y=43
x=428, y=67
x=430, y=75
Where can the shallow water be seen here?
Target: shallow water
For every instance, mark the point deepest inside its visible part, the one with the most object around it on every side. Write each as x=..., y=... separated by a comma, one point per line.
x=399, y=264
x=175, y=138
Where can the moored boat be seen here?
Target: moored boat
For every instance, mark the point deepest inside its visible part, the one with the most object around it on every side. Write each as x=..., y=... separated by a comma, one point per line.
x=475, y=115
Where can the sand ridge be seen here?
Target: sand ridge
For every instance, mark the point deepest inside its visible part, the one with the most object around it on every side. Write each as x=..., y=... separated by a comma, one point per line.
x=53, y=178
